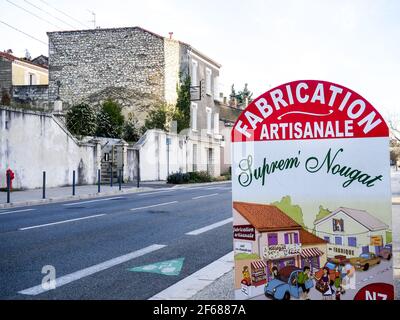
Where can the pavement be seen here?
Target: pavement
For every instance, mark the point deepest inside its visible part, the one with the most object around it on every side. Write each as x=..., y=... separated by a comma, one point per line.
x=90, y=248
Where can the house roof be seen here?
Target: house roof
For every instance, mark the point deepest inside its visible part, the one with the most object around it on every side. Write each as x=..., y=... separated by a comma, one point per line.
x=266, y=217
x=361, y=216
x=11, y=57
x=307, y=238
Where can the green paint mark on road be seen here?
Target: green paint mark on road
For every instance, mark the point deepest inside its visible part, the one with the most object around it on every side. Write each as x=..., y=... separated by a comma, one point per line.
x=168, y=268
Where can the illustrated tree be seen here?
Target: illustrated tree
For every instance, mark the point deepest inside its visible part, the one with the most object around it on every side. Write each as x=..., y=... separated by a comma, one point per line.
x=81, y=120
x=110, y=121
x=292, y=210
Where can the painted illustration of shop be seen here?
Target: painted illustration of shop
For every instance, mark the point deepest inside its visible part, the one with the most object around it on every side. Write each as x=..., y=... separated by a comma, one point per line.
x=351, y=232
x=265, y=237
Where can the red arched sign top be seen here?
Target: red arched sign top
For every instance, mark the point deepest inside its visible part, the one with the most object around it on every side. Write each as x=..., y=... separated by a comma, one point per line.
x=309, y=109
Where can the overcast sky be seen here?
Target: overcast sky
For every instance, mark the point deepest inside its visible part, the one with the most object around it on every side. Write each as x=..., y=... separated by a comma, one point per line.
x=263, y=43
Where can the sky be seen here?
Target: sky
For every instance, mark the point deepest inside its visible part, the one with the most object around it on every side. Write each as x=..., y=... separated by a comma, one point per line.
x=260, y=42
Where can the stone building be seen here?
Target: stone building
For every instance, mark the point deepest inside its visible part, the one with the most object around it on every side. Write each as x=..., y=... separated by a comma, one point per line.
x=139, y=68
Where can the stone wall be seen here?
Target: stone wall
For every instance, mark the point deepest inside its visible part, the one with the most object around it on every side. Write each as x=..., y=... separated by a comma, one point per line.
x=90, y=62
x=36, y=95
x=172, y=64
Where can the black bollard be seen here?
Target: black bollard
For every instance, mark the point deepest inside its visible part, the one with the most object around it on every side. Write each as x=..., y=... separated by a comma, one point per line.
x=44, y=185
x=8, y=187
x=73, y=182
x=98, y=180
x=120, y=180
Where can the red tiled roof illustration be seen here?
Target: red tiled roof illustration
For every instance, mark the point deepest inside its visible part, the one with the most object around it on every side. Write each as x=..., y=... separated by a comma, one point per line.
x=266, y=217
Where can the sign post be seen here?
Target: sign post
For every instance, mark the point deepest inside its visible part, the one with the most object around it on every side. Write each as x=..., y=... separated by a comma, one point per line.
x=311, y=196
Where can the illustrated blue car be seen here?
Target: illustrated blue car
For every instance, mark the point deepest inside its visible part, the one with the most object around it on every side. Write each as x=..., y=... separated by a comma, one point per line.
x=285, y=285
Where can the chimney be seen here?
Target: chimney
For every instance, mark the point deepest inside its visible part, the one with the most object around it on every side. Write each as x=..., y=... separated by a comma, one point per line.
x=170, y=34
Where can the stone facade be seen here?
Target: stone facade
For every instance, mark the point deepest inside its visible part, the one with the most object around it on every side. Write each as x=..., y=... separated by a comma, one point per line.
x=100, y=63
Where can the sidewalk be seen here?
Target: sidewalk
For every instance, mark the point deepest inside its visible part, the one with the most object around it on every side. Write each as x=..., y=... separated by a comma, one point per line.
x=34, y=196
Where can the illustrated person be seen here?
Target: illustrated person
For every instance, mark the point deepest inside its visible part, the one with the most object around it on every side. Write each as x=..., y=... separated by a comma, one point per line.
x=339, y=292
x=349, y=280
x=275, y=273
x=246, y=275
x=302, y=278
x=325, y=280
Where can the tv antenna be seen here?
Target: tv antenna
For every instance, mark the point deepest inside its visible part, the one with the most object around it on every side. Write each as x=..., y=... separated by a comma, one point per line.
x=94, y=19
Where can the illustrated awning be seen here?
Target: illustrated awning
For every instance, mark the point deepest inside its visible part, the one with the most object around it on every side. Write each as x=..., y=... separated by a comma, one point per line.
x=258, y=264
x=311, y=252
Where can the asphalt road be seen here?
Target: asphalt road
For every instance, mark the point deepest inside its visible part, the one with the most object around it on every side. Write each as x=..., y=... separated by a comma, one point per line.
x=93, y=243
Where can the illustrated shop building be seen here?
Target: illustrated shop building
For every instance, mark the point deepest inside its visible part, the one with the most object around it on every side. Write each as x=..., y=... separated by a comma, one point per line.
x=350, y=232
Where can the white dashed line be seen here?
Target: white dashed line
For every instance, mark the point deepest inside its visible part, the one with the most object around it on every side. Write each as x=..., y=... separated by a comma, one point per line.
x=24, y=210
x=205, y=196
x=154, y=205
x=210, y=227
x=90, y=201
x=60, y=222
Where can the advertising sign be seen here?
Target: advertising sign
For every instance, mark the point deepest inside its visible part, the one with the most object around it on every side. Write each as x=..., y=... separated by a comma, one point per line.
x=311, y=172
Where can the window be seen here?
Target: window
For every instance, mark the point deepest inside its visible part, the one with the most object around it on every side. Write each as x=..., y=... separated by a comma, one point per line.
x=272, y=239
x=291, y=238
x=208, y=81
x=216, y=88
x=338, y=240
x=209, y=114
x=327, y=238
x=338, y=225
x=216, y=123
x=352, y=241
x=32, y=79
x=194, y=116
x=194, y=73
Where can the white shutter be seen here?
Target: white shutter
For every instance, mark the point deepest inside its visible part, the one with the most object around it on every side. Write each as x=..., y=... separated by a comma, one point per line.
x=216, y=123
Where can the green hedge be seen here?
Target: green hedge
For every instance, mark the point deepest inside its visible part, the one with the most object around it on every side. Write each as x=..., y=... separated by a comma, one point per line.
x=190, y=177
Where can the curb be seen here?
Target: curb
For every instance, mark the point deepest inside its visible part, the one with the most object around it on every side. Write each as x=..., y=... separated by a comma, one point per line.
x=70, y=198
x=99, y=195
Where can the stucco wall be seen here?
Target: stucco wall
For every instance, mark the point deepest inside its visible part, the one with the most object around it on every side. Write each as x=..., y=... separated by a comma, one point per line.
x=21, y=71
x=155, y=157
x=33, y=142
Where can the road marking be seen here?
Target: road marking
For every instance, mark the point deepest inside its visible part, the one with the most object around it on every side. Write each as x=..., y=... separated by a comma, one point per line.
x=24, y=210
x=60, y=222
x=90, y=201
x=33, y=291
x=205, y=196
x=155, y=192
x=210, y=227
x=154, y=205
x=189, y=286
x=167, y=268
